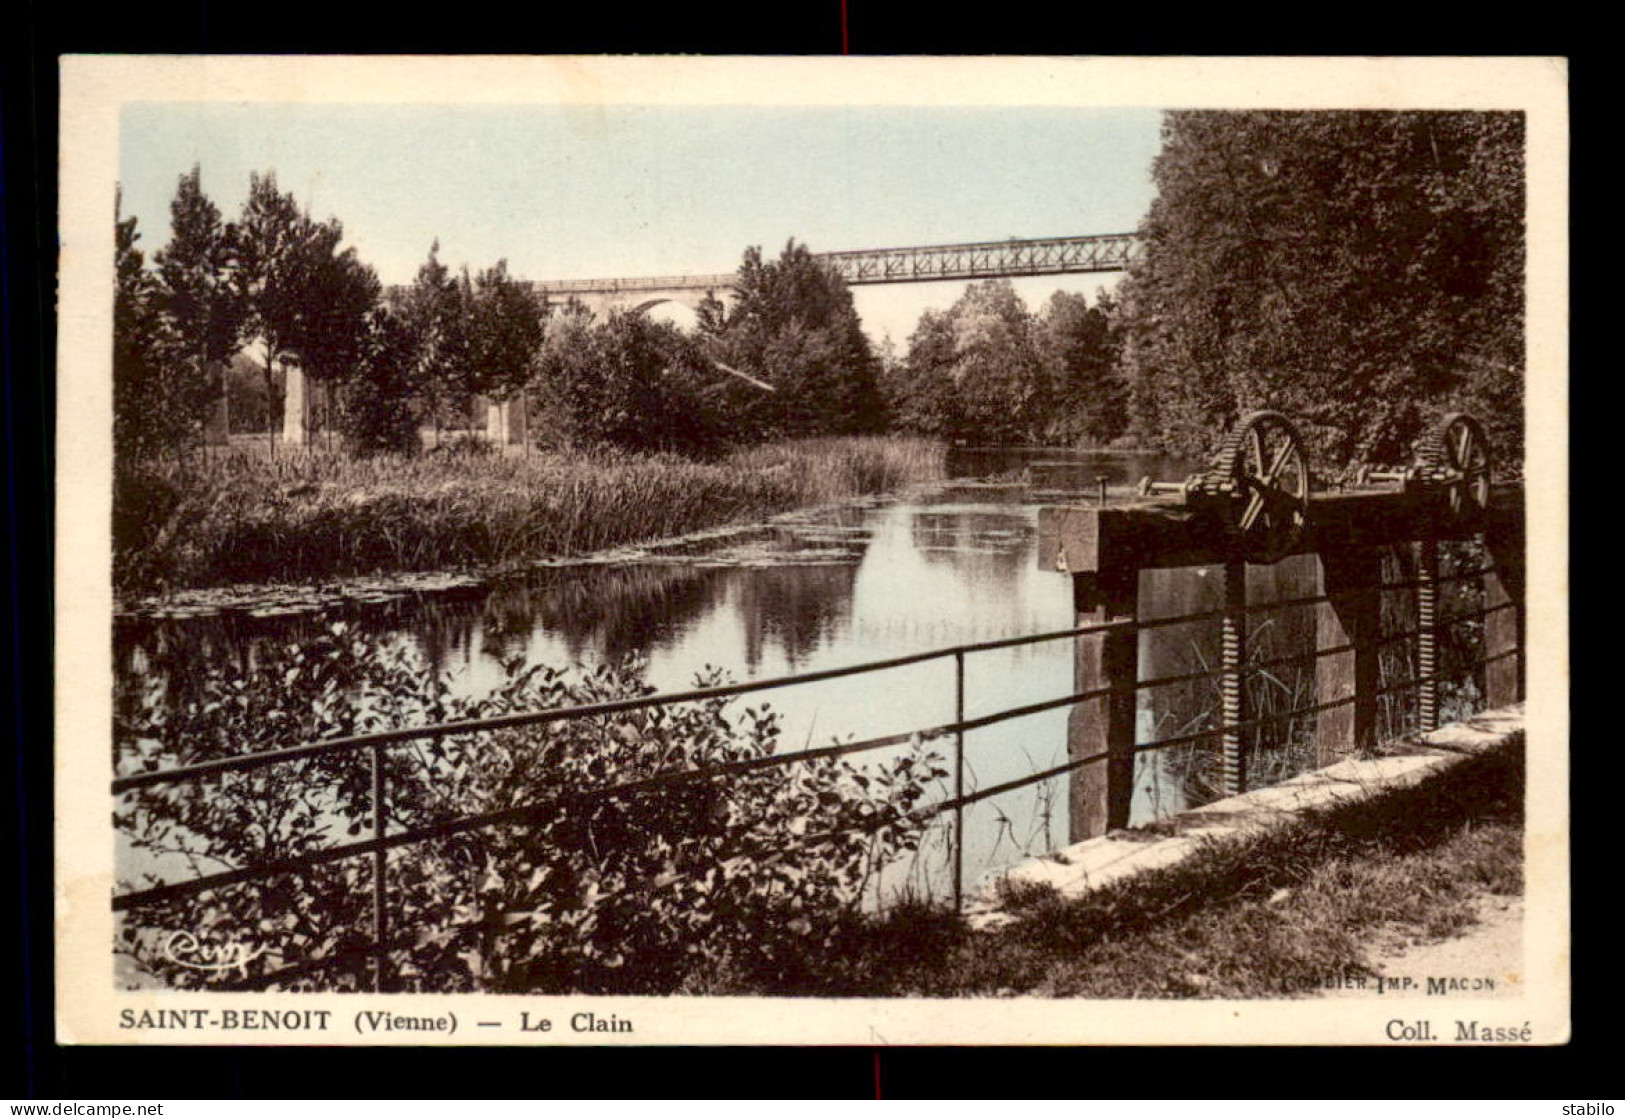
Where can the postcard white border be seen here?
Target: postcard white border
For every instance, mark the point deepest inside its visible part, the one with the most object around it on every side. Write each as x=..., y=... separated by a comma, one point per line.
x=95, y=87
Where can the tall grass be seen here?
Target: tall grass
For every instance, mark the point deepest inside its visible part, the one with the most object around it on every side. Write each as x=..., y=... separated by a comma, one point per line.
x=315, y=514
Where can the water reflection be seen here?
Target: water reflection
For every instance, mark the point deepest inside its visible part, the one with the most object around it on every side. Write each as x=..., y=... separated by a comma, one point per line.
x=599, y=614
x=795, y=610
x=978, y=541
x=831, y=589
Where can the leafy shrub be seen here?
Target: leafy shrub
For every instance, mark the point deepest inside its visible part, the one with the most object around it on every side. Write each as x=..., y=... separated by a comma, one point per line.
x=639, y=892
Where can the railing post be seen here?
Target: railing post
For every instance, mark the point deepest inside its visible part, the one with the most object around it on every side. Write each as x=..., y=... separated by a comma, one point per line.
x=1350, y=620
x=1233, y=684
x=1427, y=634
x=380, y=859
x=1504, y=628
x=959, y=781
x=1102, y=790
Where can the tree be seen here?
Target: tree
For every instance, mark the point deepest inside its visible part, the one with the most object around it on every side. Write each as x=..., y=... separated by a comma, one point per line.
x=626, y=381
x=153, y=410
x=505, y=330
x=985, y=370
x=267, y=279
x=794, y=326
x=435, y=313
x=712, y=316
x=1362, y=271
x=1001, y=382
x=377, y=414
x=1080, y=346
x=922, y=396
x=198, y=295
x=330, y=333
x=303, y=296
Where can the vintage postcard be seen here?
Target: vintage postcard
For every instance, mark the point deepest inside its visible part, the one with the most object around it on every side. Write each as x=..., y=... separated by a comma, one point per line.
x=561, y=551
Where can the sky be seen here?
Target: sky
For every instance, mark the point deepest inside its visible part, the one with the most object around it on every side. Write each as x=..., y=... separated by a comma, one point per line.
x=589, y=191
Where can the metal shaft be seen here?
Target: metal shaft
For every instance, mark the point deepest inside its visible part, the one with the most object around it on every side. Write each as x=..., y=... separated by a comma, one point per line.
x=1232, y=689
x=380, y=926
x=959, y=782
x=1427, y=634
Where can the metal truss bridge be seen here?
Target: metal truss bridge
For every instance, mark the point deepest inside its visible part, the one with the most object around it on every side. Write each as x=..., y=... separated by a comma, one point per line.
x=1112, y=252
x=986, y=259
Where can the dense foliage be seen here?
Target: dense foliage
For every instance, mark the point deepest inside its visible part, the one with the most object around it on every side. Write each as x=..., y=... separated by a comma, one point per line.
x=196, y=294
x=626, y=381
x=787, y=357
x=378, y=415
x=793, y=326
x=989, y=371
x=644, y=892
x=1082, y=345
x=1361, y=271
x=157, y=398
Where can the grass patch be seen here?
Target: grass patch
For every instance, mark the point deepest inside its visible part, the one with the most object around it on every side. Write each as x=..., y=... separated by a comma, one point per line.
x=313, y=514
x=1268, y=916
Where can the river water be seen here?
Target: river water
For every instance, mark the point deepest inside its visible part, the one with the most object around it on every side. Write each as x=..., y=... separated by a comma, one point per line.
x=950, y=564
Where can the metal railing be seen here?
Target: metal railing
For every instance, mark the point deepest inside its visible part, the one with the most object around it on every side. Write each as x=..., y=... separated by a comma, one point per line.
x=1231, y=672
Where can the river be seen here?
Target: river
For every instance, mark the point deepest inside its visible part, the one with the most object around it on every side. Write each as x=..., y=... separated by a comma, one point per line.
x=945, y=565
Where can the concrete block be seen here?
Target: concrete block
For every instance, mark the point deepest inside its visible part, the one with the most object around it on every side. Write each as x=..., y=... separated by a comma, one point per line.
x=1076, y=870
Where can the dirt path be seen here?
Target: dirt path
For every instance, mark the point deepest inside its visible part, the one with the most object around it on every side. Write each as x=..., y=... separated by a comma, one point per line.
x=1485, y=961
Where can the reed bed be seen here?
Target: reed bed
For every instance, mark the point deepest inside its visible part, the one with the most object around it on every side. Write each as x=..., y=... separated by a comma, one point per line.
x=315, y=514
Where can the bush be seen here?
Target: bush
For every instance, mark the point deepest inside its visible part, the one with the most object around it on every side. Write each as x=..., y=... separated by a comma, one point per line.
x=626, y=382
x=644, y=892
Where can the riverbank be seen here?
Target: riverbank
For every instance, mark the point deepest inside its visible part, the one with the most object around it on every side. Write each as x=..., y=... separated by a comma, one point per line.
x=1293, y=912
x=313, y=515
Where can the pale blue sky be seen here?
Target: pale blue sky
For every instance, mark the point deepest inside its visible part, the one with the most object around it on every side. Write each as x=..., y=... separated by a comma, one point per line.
x=577, y=192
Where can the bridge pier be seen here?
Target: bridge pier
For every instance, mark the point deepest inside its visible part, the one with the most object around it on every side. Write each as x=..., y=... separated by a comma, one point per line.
x=295, y=406
x=506, y=422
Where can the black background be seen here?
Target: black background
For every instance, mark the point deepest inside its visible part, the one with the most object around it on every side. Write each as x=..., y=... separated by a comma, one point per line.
x=36, y=1067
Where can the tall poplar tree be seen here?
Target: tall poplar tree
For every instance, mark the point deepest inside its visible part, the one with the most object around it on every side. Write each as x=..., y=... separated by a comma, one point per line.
x=434, y=309
x=922, y=393
x=198, y=295
x=268, y=238
x=505, y=331
x=151, y=411
x=1080, y=343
